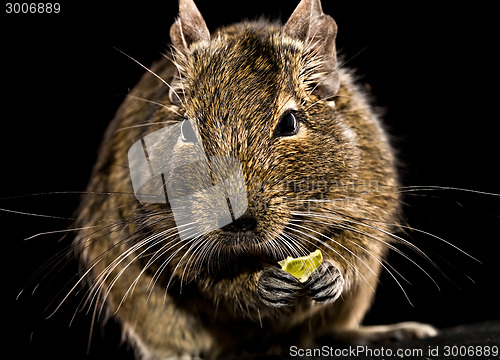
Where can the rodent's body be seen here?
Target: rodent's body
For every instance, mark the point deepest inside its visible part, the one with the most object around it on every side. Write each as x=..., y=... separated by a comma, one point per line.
x=225, y=294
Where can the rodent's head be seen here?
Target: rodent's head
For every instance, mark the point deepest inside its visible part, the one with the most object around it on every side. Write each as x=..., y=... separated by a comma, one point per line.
x=259, y=121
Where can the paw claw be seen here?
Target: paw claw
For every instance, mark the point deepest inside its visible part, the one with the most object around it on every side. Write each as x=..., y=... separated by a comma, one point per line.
x=278, y=288
x=325, y=284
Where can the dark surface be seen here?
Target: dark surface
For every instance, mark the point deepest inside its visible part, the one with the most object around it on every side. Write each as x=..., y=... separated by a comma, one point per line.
x=472, y=340
x=433, y=70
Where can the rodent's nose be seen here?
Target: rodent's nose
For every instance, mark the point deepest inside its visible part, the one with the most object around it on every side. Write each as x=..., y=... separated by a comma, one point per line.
x=242, y=224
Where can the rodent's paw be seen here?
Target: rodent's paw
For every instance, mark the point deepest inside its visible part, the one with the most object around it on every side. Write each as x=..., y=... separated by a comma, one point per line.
x=377, y=333
x=408, y=330
x=326, y=283
x=181, y=357
x=277, y=288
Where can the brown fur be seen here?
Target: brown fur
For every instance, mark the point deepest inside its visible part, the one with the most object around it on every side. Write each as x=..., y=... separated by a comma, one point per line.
x=236, y=84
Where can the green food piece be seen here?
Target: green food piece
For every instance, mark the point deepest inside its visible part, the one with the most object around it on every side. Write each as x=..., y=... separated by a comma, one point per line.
x=302, y=267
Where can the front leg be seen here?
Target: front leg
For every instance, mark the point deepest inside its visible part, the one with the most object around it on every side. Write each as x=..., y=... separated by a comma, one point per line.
x=277, y=288
x=325, y=284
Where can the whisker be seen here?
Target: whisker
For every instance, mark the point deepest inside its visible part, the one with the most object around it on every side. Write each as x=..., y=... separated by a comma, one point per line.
x=404, y=241
x=332, y=249
x=148, y=124
x=179, y=68
x=341, y=65
x=336, y=242
x=449, y=188
x=440, y=239
x=179, y=262
x=101, y=279
x=65, y=193
x=152, y=283
x=364, y=233
x=203, y=243
x=296, y=248
x=394, y=236
x=59, y=232
x=152, y=72
x=407, y=227
x=162, y=252
x=36, y=215
x=169, y=108
x=113, y=227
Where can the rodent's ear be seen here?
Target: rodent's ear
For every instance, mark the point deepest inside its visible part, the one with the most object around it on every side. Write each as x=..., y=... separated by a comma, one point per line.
x=189, y=27
x=317, y=30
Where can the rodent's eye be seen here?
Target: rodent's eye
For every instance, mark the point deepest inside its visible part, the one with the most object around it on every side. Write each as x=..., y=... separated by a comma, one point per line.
x=187, y=132
x=288, y=125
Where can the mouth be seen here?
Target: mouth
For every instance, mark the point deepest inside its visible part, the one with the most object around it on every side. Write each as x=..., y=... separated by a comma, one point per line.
x=243, y=240
x=236, y=253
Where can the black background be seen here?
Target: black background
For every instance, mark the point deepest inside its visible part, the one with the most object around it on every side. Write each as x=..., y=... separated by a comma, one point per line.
x=433, y=69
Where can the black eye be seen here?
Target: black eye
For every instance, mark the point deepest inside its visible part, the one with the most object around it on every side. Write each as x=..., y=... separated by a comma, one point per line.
x=288, y=125
x=187, y=132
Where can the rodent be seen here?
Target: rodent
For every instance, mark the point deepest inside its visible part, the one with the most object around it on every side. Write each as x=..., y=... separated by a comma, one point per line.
x=304, y=142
